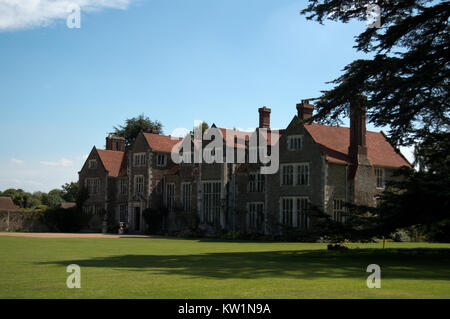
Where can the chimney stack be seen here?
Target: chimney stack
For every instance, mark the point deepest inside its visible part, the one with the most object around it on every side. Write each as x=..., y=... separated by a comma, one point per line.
x=115, y=143
x=357, y=127
x=305, y=110
x=264, y=117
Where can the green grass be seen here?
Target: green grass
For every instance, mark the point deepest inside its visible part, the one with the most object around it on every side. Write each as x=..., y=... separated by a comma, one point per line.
x=175, y=268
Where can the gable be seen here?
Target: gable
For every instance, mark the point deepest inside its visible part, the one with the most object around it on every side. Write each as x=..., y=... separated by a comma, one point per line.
x=112, y=161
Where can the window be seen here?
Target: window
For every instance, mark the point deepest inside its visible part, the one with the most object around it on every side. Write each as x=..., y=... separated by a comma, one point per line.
x=92, y=185
x=287, y=209
x=123, y=187
x=295, y=174
x=186, y=189
x=211, y=201
x=302, y=212
x=139, y=159
x=288, y=175
x=139, y=184
x=255, y=216
x=92, y=164
x=379, y=173
x=161, y=160
x=294, y=143
x=294, y=212
x=255, y=183
x=170, y=197
x=303, y=174
x=339, y=210
x=123, y=213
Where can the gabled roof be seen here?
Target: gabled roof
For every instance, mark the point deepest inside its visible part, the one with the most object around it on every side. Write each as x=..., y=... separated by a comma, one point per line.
x=161, y=143
x=6, y=203
x=335, y=140
x=112, y=161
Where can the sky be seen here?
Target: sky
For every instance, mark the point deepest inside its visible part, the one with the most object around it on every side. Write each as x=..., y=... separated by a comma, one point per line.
x=62, y=90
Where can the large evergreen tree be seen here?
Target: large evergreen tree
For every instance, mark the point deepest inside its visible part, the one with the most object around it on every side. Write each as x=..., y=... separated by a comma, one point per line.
x=407, y=79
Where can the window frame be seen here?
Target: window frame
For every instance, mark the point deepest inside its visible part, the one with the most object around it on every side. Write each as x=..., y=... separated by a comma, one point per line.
x=186, y=196
x=139, y=190
x=299, y=145
x=93, y=185
x=139, y=159
x=297, y=216
x=256, y=183
x=90, y=166
x=380, y=178
x=255, y=215
x=294, y=175
x=339, y=210
x=164, y=157
x=211, y=200
x=123, y=187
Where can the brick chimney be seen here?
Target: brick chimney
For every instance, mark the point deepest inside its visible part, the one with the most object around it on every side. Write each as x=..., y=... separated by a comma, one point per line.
x=115, y=143
x=358, y=146
x=264, y=117
x=305, y=110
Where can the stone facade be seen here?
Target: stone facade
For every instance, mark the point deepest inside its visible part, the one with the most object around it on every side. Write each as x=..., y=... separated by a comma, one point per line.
x=320, y=165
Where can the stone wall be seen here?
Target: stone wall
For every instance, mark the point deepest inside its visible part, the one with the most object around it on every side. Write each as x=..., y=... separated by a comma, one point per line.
x=24, y=221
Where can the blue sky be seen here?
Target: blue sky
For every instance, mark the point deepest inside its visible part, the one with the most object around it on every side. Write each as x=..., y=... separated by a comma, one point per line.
x=62, y=90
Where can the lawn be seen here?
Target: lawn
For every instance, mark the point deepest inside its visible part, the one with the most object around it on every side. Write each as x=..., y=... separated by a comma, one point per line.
x=176, y=268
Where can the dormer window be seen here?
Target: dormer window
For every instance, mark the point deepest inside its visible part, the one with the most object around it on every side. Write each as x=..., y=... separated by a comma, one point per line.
x=161, y=160
x=295, y=143
x=139, y=159
x=92, y=164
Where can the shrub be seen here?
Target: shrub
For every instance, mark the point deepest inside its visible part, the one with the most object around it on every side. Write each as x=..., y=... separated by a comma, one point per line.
x=66, y=220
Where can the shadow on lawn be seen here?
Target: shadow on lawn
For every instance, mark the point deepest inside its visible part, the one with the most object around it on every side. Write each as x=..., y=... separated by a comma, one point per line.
x=311, y=264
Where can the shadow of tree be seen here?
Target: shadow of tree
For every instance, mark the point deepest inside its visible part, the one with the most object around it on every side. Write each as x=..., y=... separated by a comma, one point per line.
x=307, y=264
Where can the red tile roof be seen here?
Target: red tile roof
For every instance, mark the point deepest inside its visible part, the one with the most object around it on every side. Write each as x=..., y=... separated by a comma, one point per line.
x=6, y=203
x=112, y=160
x=161, y=143
x=334, y=142
x=67, y=205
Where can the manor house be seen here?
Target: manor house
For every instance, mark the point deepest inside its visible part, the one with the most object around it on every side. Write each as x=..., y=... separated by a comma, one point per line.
x=324, y=166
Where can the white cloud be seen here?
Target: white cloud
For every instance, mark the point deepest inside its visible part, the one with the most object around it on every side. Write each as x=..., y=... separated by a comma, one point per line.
x=64, y=162
x=23, y=14
x=16, y=161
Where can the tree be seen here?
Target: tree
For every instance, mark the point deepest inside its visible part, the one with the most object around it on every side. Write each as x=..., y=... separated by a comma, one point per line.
x=204, y=126
x=406, y=83
x=407, y=80
x=53, y=199
x=70, y=192
x=135, y=125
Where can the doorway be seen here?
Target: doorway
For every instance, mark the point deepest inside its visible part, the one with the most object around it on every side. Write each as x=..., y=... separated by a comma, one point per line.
x=137, y=218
